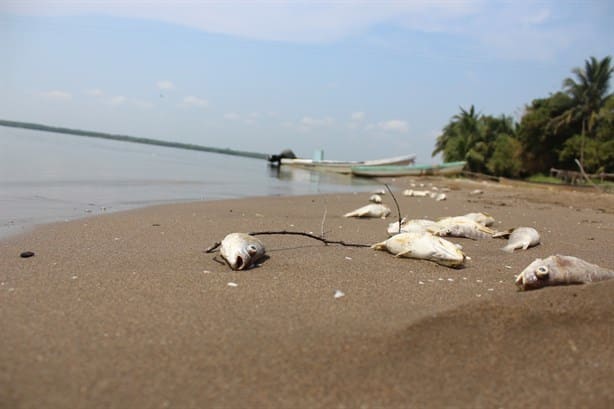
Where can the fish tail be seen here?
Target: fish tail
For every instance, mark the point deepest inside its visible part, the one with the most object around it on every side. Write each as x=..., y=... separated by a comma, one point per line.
x=379, y=246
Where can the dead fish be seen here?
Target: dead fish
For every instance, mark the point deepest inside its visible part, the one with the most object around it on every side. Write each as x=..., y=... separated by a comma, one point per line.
x=476, y=192
x=415, y=193
x=423, y=246
x=241, y=251
x=483, y=218
x=560, y=270
x=460, y=226
x=521, y=238
x=375, y=198
x=370, y=210
x=409, y=226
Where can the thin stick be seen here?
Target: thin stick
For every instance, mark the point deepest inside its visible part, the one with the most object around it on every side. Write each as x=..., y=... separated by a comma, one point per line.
x=323, y=219
x=313, y=236
x=585, y=175
x=213, y=247
x=396, y=203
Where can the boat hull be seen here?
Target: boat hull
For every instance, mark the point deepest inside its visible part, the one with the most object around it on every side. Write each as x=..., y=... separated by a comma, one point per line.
x=346, y=166
x=444, y=169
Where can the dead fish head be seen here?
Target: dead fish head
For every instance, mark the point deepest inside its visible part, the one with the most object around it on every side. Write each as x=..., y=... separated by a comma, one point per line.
x=561, y=270
x=535, y=275
x=241, y=251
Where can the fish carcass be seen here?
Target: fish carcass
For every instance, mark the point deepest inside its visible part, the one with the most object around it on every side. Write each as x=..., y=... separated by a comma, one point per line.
x=483, y=218
x=423, y=246
x=375, y=198
x=241, y=251
x=560, y=270
x=521, y=238
x=370, y=210
x=409, y=226
x=461, y=226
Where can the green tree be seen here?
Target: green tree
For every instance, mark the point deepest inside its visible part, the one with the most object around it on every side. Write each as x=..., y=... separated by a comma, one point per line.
x=588, y=91
x=505, y=159
x=458, y=136
x=598, y=151
x=541, y=142
x=470, y=137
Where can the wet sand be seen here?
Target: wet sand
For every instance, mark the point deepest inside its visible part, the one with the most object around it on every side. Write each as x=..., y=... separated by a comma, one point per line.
x=126, y=310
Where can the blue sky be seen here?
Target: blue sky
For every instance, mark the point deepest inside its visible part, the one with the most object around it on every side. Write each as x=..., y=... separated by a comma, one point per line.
x=360, y=80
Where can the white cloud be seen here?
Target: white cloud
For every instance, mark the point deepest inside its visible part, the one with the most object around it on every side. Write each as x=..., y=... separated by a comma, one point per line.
x=56, y=95
x=357, y=116
x=195, y=102
x=94, y=92
x=118, y=100
x=139, y=103
x=310, y=122
x=265, y=20
x=394, y=125
x=509, y=30
x=537, y=17
x=165, y=85
x=231, y=116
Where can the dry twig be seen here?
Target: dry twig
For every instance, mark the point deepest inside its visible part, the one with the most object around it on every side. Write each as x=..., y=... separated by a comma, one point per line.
x=586, y=176
x=217, y=244
x=313, y=236
x=396, y=204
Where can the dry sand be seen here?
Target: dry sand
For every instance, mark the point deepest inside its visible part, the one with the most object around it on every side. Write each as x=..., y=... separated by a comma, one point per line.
x=126, y=311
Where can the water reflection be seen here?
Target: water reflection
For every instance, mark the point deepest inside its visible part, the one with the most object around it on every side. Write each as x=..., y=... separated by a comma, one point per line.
x=315, y=177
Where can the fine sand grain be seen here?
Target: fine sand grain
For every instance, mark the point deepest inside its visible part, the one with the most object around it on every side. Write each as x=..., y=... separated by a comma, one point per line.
x=126, y=310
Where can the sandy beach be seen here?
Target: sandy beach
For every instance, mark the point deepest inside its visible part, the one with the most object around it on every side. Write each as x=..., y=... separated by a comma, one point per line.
x=125, y=310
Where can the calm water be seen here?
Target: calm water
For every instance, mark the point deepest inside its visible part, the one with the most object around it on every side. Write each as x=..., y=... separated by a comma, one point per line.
x=47, y=177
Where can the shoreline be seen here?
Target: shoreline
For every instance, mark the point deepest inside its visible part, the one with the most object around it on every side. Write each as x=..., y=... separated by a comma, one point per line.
x=125, y=309
x=50, y=211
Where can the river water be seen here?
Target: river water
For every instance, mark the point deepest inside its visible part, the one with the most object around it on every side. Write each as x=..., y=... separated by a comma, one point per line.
x=48, y=177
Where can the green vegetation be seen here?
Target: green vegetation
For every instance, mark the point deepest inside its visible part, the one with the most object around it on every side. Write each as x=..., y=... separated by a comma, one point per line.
x=541, y=178
x=576, y=122
x=133, y=139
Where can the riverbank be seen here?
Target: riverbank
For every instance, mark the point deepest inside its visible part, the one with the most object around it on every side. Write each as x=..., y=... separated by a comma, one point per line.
x=125, y=309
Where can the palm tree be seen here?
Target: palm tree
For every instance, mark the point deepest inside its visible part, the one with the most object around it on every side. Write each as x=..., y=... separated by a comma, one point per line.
x=589, y=92
x=459, y=135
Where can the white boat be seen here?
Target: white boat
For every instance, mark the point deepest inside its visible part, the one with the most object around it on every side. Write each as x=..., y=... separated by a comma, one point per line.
x=443, y=169
x=341, y=166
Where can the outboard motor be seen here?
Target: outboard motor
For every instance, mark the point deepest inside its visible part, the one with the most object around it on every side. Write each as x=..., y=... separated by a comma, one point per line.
x=275, y=160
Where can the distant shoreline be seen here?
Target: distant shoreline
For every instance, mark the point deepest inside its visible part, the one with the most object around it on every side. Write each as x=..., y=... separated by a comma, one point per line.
x=133, y=139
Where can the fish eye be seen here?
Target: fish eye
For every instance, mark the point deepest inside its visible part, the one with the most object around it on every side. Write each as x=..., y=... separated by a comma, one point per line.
x=541, y=272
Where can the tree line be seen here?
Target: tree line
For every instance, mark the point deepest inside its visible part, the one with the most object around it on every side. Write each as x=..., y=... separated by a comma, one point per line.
x=132, y=139
x=576, y=122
